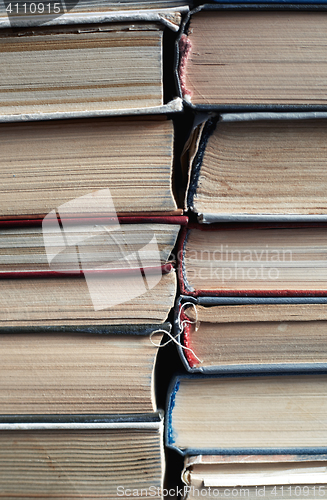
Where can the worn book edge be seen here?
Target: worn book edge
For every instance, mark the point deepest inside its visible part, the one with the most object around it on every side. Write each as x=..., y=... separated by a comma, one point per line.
x=170, y=18
x=174, y=106
x=184, y=45
x=191, y=363
x=77, y=422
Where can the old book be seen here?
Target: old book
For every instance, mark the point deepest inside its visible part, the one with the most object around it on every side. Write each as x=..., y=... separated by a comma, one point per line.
x=72, y=70
x=64, y=244
x=45, y=165
x=258, y=259
x=253, y=476
x=248, y=415
x=224, y=335
x=103, y=456
x=101, y=299
x=79, y=370
x=254, y=166
x=92, y=271
x=264, y=57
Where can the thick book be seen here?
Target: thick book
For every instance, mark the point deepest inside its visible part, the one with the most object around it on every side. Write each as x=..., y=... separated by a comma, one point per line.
x=70, y=70
x=82, y=456
x=79, y=370
x=71, y=164
x=253, y=476
x=258, y=54
x=266, y=414
x=253, y=259
x=241, y=335
x=253, y=166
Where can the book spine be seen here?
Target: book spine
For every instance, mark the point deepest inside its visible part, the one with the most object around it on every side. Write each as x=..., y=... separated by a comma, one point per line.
x=184, y=289
x=169, y=433
x=209, y=128
x=188, y=353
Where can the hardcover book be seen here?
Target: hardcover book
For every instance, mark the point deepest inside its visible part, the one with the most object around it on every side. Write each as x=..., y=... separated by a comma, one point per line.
x=44, y=247
x=81, y=456
x=257, y=166
x=253, y=476
x=242, y=335
x=261, y=54
x=78, y=68
x=45, y=165
x=253, y=259
x=79, y=370
x=92, y=271
x=264, y=414
x=95, y=298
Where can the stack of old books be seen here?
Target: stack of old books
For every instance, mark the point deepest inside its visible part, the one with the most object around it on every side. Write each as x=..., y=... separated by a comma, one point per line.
x=88, y=220
x=252, y=315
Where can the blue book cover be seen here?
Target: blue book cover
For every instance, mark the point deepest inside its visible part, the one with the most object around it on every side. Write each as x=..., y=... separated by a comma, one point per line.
x=279, y=414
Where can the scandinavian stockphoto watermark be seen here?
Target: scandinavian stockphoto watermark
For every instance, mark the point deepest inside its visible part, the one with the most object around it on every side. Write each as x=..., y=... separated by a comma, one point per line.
x=37, y=13
x=118, y=263
x=227, y=263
